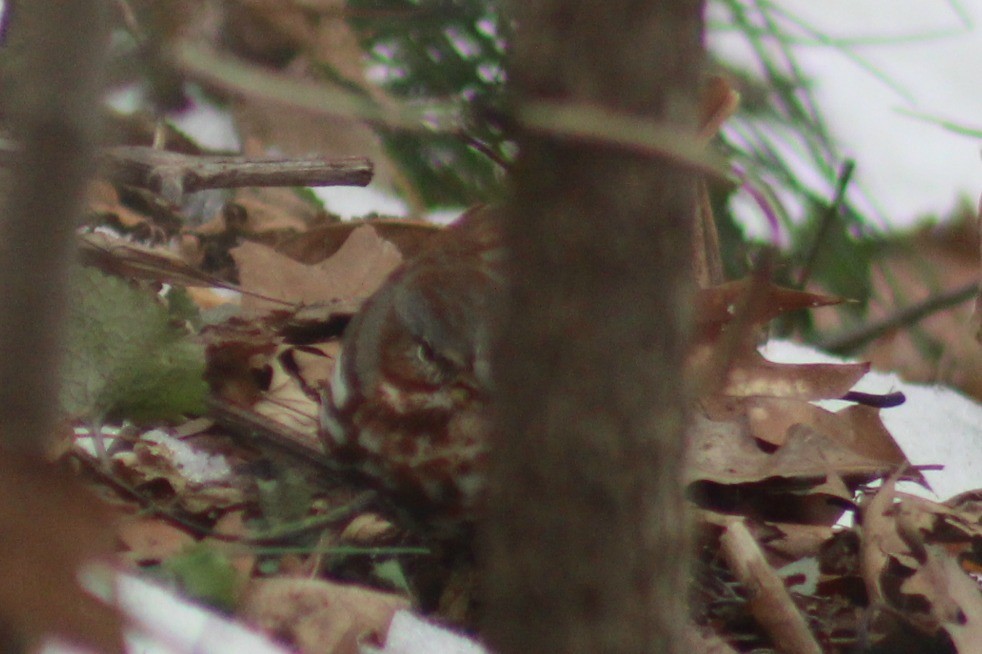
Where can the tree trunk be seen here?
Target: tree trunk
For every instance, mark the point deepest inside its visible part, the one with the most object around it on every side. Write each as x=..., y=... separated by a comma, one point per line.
x=585, y=542
x=51, y=93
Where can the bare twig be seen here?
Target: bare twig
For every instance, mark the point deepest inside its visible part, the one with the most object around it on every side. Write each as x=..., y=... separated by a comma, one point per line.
x=770, y=603
x=243, y=422
x=359, y=504
x=708, y=262
x=240, y=420
x=830, y=215
x=601, y=125
x=581, y=122
x=853, y=339
x=133, y=261
x=173, y=174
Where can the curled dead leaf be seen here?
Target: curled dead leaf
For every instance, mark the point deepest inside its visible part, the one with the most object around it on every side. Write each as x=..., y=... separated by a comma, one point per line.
x=356, y=270
x=320, y=616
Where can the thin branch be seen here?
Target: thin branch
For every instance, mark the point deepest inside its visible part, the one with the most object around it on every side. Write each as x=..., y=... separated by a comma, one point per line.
x=769, y=602
x=851, y=340
x=562, y=119
x=242, y=422
x=311, y=525
x=173, y=174
x=608, y=127
x=830, y=215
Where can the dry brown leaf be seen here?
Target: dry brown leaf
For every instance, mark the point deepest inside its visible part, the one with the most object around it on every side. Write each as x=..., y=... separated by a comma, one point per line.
x=233, y=525
x=237, y=351
x=725, y=453
x=288, y=400
x=857, y=427
x=356, y=270
x=276, y=210
x=367, y=529
x=200, y=479
x=869, y=436
x=796, y=541
x=954, y=598
x=102, y=198
x=968, y=505
x=808, y=451
x=320, y=617
x=880, y=541
x=315, y=363
x=151, y=540
x=770, y=418
x=295, y=376
x=50, y=528
x=718, y=305
x=905, y=563
x=318, y=243
x=754, y=376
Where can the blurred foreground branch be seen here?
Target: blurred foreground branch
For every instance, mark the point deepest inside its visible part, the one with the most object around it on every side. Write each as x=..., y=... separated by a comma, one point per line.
x=52, y=105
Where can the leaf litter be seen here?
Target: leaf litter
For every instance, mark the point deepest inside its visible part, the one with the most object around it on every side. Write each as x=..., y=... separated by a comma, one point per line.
x=248, y=515
x=762, y=453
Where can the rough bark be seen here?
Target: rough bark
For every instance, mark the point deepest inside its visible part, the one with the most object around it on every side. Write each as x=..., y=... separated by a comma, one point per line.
x=51, y=96
x=584, y=544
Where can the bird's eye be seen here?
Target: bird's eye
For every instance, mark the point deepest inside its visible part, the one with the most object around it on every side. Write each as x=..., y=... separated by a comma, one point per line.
x=426, y=354
x=435, y=364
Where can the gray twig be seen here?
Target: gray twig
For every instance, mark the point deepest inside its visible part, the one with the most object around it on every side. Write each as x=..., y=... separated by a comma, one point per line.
x=853, y=339
x=172, y=174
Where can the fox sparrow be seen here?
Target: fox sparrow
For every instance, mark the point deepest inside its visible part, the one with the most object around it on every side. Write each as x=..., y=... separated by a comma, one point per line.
x=406, y=403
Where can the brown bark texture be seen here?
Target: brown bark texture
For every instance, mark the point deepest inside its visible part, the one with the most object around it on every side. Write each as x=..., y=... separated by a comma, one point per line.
x=584, y=544
x=51, y=103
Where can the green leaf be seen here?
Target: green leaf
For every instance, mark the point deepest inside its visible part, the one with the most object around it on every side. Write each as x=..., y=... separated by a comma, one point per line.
x=307, y=195
x=181, y=308
x=204, y=574
x=125, y=357
x=285, y=499
x=392, y=574
x=842, y=263
x=453, y=53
